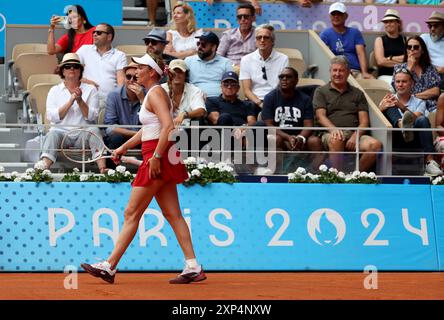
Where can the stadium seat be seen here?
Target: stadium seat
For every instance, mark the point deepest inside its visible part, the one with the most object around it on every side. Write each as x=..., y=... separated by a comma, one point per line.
x=37, y=101
x=132, y=50
x=372, y=66
x=295, y=58
x=376, y=89
x=310, y=81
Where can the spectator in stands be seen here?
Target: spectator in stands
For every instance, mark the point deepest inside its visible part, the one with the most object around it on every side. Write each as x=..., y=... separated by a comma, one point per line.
x=181, y=37
x=257, y=7
x=426, y=78
x=71, y=102
x=207, y=67
x=338, y=104
x=103, y=63
x=156, y=42
x=404, y=110
x=439, y=123
x=80, y=31
x=435, y=42
x=227, y=109
x=287, y=107
x=346, y=41
x=122, y=108
x=260, y=69
x=151, y=6
x=187, y=99
x=389, y=49
x=238, y=42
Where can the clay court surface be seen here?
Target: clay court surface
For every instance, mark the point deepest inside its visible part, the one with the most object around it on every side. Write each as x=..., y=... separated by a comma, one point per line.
x=225, y=286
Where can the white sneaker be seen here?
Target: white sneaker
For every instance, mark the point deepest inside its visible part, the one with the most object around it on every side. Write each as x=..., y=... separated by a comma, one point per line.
x=101, y=270
x=407, y=121
x=432, y=168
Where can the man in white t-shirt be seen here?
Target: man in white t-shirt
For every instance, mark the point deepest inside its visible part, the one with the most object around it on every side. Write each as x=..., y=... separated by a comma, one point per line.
x=435, y=42
x=260, y=69
x=103, y=63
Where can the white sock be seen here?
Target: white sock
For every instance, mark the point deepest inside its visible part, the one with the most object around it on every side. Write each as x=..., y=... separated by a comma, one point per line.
x=192, y=263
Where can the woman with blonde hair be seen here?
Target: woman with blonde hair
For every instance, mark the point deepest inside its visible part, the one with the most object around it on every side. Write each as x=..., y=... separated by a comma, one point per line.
x=183, y=33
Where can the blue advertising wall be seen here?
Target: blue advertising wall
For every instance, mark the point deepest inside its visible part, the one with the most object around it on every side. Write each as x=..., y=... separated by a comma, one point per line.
x=244, y=226
x=40, y=12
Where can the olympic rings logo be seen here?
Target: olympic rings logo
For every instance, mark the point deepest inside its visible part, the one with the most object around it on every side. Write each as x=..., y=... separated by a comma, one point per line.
x=2, y=26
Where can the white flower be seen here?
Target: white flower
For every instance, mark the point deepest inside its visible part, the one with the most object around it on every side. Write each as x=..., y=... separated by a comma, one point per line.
x=435, y=182
x=40, y=165
x=355, y=174
x=111, y=172
x=190, y=160
x=311, y=176
x=364, y=174
x=372, y=176
x=195, y=172
x=211, y=165
x=76, y=170
x=46, y=172
x=201, y=166
x=2, y=169
x=83, y=177
x=127, y=173
x=17, y=179
x=120, y=169
x=291, y=176
x=30, y=171
x=7, y=176
x=14, y=174
x=348, y=178
x=341, y=175
x=333, y=170
x=26, y=177
x=300, y=171
x=323, y=168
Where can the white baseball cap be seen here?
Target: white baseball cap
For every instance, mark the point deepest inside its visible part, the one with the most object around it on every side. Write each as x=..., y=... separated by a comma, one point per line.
x=337, y=6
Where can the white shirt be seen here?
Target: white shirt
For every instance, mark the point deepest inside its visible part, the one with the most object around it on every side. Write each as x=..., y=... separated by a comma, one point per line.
x=59, y=95
x=192, y=99
x=180, y=43
x=102, y=69
x=251, y=68
x=436, y=50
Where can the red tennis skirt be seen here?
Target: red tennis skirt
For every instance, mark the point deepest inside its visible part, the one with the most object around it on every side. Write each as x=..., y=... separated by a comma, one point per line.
x=176, y=171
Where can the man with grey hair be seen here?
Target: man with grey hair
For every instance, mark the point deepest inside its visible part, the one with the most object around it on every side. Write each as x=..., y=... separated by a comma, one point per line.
x=260, y=69
x=338, y=104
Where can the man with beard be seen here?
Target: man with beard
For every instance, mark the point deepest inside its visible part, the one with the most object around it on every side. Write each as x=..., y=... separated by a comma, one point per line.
x=207, y=67
x=435, y=42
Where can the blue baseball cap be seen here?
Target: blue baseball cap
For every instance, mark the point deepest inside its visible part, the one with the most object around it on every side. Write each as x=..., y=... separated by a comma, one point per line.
x=210, y=37
x=230, y=75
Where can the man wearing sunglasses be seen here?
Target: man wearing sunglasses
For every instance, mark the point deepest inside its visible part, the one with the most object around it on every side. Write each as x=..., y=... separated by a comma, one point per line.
x=103, y=63
x=122, y=108
x=207, y=67
x=155, y=42
x=238, y=42
x=434, y=41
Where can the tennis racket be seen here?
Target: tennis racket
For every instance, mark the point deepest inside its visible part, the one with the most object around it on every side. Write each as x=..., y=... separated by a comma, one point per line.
x=84, y=146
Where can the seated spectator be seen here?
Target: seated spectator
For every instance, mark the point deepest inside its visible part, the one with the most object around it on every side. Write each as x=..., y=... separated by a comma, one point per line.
x=207, y=67
x=80, y=31
x=435, y=42
x=404, y=110
x=260, y=69
x=238, y=42
x=389, y=49
x=227, y=109
x=71, y=102
x=287, y=107
x=122, y=108
x=156, y=42
x=181, y=37
x=187, y=99
x=439, y=123
x=338, y=104
x=346, y=41
x=103, y=63
x=426, y=78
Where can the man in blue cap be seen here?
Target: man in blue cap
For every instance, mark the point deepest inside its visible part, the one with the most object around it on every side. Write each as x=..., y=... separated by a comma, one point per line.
x=207, y=67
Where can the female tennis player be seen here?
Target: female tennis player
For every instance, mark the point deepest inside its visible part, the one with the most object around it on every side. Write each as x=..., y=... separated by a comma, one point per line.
x=157, y=176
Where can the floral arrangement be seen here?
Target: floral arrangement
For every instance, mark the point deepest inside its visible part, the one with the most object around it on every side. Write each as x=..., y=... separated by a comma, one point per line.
x=438, y=181
x=112, y=176
x=331, y=175
x=36, y=174
x=203, y=173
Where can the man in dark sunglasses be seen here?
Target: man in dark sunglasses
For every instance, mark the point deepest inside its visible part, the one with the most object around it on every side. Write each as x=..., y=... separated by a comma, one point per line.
x=237, y=42
x=155, y=42
x=435, y=42
x=103, y=63
x=122, y=108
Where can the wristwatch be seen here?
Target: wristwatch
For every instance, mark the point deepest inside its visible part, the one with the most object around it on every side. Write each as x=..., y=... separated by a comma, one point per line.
x=187, y=115
x=156, y=155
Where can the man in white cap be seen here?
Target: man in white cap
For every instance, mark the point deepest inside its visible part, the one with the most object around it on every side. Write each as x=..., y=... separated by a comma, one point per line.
x=346, y=41
x=435, y=42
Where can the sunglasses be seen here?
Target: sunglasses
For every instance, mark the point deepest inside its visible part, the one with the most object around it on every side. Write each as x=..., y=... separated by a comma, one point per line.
x=285, y=76
x=264, y=73
x=243, y=16
x=130, y=77
x=413, y=47
x=99, y=33
x=152, y=41
x=201, y=44
x=406, y=71
x=72, y=66
x=263, y=38
x=230, y=84
x=433, y=25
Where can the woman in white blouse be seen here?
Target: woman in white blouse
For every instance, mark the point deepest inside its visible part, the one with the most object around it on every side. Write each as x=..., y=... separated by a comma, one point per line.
x=181, y=37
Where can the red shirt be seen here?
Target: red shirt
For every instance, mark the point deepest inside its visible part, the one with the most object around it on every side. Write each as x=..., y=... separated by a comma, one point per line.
x=79, y=40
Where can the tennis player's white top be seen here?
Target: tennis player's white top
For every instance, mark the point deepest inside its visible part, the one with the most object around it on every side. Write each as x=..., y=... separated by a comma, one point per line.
x=151, y=124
